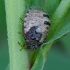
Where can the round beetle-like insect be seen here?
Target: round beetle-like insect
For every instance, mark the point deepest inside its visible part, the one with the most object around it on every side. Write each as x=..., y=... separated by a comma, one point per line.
x=35, y=27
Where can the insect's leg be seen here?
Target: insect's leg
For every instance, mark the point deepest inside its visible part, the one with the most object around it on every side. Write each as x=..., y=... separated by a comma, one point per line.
x=22, y=46
x=20, y=33
x=21, y=19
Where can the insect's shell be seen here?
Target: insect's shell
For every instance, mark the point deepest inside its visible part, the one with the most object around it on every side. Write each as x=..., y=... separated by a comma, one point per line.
x=36, y=25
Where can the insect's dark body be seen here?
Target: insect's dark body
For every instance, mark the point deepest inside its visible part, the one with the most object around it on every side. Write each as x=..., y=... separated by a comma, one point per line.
x=33, y=38
x=36, y=24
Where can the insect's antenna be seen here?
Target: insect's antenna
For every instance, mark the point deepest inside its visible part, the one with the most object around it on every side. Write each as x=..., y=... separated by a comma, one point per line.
x=21, y=46
x=20, y=33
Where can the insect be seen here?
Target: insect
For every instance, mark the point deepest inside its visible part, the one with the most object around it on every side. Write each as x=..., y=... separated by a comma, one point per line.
x=35, y=27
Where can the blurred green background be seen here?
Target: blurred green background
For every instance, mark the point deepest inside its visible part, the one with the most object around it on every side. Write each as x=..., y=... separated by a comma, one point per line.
x=58, y=57
x=4, y=56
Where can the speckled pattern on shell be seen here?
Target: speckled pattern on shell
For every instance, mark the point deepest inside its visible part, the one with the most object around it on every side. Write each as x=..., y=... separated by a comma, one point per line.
x=37, y=17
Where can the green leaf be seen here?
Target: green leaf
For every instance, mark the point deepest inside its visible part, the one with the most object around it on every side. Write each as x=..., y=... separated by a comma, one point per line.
x=39, y=61
x=15, y=9
x=65, y=30
x=8, y=67
x=37, y=4
x=51, y=6
x=58, y=16
x=27, y=4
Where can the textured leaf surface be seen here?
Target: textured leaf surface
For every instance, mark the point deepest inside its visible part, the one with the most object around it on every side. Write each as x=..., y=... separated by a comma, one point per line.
x=14, y=11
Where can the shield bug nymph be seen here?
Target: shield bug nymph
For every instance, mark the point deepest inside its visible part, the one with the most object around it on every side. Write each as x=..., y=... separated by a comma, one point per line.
x=35, y=27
